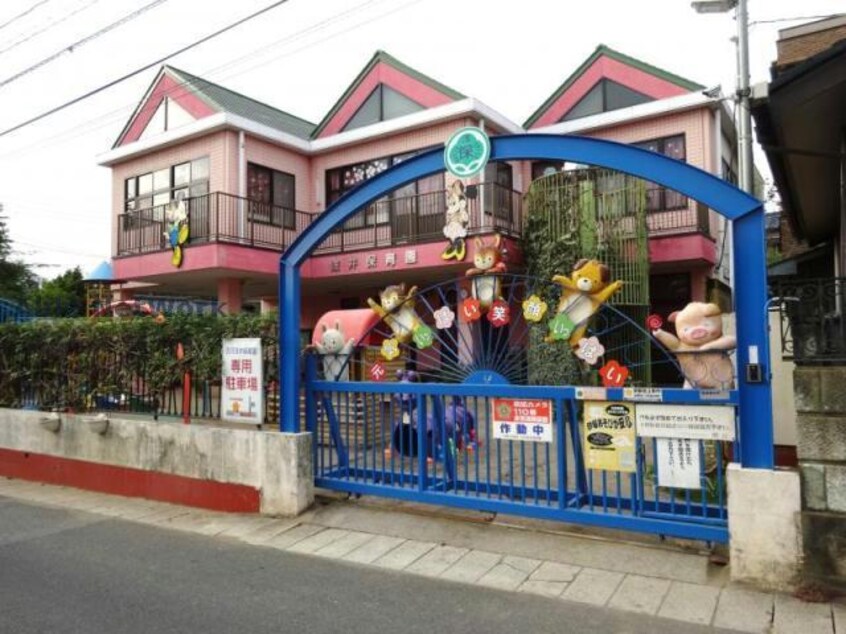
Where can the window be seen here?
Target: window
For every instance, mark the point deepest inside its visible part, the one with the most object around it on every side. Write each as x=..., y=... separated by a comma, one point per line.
x=498, y=193
x=340, y=180
x=382, y=104
x=660, y=198
x=156, y=189
x=272, y=195
x=606, y=95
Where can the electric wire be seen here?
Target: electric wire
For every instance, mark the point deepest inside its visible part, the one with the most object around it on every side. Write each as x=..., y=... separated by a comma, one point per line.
x=140, y=70
x=49, y=26
x=24, y=14
x=108, y=118
x=88, y=38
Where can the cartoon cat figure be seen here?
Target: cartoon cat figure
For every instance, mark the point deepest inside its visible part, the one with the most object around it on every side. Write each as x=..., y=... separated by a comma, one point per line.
x=396, y=308
x=487, y=259
x=335, y=353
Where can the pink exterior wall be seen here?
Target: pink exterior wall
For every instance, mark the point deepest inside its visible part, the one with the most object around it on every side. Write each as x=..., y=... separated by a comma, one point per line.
x=412, y=88
x=284, y=160
x=166, y=87
x=378, y=148
x=606, y=67
x=220, y=147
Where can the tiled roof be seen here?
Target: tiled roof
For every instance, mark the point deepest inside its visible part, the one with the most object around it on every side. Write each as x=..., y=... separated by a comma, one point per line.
x=230, y=101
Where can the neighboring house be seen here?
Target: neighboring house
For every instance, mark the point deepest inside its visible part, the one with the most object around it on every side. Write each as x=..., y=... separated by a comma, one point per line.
x=254, y=176
x=801, y=122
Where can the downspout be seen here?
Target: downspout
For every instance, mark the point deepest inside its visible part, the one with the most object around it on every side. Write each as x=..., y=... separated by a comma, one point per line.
x=242, y=185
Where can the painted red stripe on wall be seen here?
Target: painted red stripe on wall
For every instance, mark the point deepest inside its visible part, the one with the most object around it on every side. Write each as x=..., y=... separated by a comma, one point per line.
x=164, y=487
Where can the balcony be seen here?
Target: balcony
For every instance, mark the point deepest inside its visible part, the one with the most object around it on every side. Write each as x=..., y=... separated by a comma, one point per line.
x=219, y=217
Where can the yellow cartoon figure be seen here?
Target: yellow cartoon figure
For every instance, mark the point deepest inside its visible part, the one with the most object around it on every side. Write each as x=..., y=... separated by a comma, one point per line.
x=396, y=308
x=582, y=294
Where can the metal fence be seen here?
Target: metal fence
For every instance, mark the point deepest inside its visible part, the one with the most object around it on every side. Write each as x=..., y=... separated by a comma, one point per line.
x=435, y=443
x=813, y=330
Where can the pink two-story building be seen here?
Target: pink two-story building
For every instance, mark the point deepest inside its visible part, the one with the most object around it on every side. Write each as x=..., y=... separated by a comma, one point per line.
x=253, y=176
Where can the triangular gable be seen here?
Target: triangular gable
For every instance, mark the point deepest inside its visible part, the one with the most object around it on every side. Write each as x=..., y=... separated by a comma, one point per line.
x=168, y=86
x=386, y=70
x=606, y=63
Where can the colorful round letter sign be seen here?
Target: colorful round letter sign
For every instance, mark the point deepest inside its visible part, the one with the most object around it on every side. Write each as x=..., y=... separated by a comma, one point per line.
x=467, y=152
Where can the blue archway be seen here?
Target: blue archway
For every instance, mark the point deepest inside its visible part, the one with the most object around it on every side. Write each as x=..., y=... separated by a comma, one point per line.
x=747, y=213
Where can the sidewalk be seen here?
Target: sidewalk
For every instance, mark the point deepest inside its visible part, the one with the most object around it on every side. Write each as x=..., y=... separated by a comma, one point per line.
x=648, y=579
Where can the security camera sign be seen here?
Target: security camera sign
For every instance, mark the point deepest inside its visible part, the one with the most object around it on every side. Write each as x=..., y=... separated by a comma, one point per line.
x=527, y=420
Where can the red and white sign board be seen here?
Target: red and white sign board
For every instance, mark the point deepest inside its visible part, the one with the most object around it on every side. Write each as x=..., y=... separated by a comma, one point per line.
x=242, y=393
x=518, y=419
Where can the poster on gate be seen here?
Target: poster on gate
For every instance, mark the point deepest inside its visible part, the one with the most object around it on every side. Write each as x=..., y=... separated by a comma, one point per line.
x=242, y=394
x=677, y=462
x=609, y=436
x=522, y=419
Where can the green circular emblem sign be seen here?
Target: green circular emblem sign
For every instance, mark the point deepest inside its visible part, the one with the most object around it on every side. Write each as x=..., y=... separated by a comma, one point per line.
x=467, y=152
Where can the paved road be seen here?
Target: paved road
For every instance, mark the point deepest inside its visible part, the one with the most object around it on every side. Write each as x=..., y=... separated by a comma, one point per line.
x=69, y=571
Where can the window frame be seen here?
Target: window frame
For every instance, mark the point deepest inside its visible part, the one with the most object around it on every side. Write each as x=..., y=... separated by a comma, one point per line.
x=661, y=146
x=288, y=217
x=130, y=203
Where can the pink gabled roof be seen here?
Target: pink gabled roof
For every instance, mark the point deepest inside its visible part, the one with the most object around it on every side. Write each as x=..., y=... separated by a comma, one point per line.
x=606, y=63
x=384, y=69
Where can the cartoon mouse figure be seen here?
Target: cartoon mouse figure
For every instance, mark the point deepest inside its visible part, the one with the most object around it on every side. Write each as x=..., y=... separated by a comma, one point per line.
x=457, y=219
x=487, y=260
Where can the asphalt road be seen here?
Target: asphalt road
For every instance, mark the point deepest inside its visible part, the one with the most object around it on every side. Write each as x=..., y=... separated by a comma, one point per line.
x=68, y=571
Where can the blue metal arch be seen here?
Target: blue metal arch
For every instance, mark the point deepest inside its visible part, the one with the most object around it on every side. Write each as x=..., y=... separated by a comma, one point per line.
x=734, y=204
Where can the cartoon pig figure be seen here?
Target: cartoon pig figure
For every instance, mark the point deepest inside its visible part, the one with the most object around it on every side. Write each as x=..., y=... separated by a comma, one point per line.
x=699, y=330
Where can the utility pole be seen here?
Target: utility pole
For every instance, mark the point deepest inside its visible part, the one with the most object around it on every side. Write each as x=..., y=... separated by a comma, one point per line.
x=745, y=164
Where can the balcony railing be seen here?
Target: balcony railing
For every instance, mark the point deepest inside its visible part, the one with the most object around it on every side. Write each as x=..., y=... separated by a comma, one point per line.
x=221, y=217
x=420, y=218
x=813, y=328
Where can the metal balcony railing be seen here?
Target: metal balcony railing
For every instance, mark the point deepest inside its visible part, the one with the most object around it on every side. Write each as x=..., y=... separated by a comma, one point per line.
x=226, y=218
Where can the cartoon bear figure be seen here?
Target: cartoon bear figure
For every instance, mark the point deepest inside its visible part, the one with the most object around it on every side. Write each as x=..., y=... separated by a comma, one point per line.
x=487, y=259
x=335, y=353
x=699, y=329
x=396, y=308
x=457, y=219
x=583, y=293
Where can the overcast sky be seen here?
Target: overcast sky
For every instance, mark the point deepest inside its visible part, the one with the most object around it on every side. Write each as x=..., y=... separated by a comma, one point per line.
x=300, y=57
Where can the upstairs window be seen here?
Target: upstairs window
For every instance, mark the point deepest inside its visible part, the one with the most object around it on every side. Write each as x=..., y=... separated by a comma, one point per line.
x=660, y=198
x=272, y=196
x=383, y=103
x=606, y=95
x=156, y=189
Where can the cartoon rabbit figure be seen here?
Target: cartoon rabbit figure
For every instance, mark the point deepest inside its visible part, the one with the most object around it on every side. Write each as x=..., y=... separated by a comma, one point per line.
x=487, y=260
x=335, y=353
x=457, y=220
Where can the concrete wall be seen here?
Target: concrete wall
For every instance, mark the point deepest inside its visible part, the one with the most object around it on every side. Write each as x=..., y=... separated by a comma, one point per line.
x=821, y=429
x=157, y=459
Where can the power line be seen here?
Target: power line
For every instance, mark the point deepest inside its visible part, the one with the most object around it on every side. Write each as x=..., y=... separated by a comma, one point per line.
x=49, y=26
x=72, y=47
x=25, y=13
x=795, y=19
x=138, y=71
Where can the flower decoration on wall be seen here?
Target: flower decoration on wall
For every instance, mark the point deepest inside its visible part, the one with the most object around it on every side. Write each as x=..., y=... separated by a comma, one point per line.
x=499, y=313
x=423, y=336
x=471, y=310
x=613, y=374
x=561, y=327
x=590, y=350
x=654, y=322
x=444, y=318
x=377, y=371
x=534, y=308
x=390, y=349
